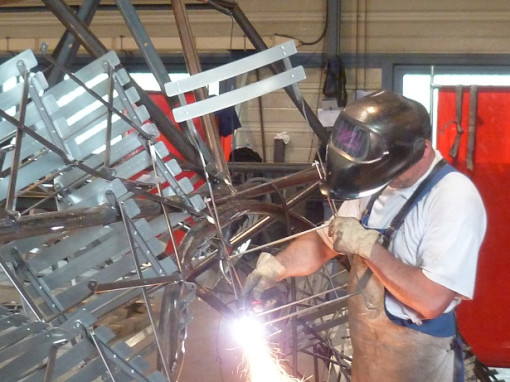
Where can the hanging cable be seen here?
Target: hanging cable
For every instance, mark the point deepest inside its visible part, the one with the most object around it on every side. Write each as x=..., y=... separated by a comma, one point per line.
x=308, y=43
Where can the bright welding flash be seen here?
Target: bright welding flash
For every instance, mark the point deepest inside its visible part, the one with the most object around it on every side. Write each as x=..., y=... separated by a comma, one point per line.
x=263, y=365
x=248, y=331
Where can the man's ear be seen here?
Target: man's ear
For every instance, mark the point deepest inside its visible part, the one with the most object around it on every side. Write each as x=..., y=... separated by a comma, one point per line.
x=421, y=145
x=428, y=147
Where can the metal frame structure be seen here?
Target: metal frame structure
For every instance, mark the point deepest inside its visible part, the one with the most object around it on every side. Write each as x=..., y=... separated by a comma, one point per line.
x=120, y=197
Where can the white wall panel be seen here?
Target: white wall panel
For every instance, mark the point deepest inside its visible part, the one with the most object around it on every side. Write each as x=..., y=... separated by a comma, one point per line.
x=415, y=26
x=366, y=27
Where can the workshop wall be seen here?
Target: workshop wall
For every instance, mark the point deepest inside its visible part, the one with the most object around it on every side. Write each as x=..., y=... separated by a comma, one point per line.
x=371, y=28
x=367, y=27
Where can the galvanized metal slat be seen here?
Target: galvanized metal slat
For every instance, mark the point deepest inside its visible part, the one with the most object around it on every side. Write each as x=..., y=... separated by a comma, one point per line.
x=93, y=142
x=232, y=69
x=29, y=329
x=31, y=173
x=79, y=122
x=20, y=367
x=104, y=303
x=87, y=195
x=81, y=290
x=240, y=95
x=96, y=368
x=11, y=97
x=119, y=150
x=69, y=359
x=31, y=343
x=32, y=146
x=69, y=94
x=50, y=255
x=10, y=321
x=85, y=74
x=115, y=246
x=9, y=68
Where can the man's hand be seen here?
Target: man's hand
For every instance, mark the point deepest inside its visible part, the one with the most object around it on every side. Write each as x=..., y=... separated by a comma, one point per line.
x=350, y=237
x=265, y=275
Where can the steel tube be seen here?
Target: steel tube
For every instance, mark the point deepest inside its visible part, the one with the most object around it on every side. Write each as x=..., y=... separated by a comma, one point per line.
x=259, y=44
x=191, y=56
x=53, y=222
x=96, y=49
x=300, y=178
x=68, y=46
x=158, y=69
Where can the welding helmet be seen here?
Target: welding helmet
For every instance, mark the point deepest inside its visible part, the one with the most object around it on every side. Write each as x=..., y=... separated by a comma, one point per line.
x=373, y=141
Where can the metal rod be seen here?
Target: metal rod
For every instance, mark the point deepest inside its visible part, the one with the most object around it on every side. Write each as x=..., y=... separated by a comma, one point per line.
x=56, y=221
x=191, y=56
x=128, y=224
x=101, y=354
x=50, y=365
x=93, y=45
x=308, y=175
x=168, y=222
x=279, y=241
x=10, y=203
x=306, y=310
x=68, y=46
x=132, y=284
x=261, y=119
x=21, y=290
x=303, y=300
x=259, y=44
x=252, y=231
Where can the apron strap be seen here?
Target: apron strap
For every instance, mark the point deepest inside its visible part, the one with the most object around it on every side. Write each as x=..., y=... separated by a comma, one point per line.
x=438, y=172
x=444, y=325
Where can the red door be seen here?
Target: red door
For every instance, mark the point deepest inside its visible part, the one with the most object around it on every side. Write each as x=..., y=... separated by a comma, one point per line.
x=485, y=321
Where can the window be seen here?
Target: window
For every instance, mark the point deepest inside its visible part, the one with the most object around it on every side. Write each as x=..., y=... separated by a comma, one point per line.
x=148, y=82
x=423, y=84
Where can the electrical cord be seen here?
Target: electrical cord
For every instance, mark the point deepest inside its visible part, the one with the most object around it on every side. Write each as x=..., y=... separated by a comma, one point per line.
x=308, y=43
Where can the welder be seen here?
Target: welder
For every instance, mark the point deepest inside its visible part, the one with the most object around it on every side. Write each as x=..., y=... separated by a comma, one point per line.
x=412, y=227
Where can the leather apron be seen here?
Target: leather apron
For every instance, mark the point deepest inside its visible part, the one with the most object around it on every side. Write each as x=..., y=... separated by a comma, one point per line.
x=384, y=351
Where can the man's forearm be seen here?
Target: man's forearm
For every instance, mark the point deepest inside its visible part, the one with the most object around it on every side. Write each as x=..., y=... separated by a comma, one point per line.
x=305, y=255
x=408, y=284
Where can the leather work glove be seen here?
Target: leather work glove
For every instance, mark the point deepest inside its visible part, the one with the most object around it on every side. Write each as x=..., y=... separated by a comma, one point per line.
x=265, y=275
x=350, y=237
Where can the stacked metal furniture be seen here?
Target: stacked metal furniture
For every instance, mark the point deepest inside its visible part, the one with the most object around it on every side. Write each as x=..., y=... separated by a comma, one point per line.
x=87, y=143
x=93, y=201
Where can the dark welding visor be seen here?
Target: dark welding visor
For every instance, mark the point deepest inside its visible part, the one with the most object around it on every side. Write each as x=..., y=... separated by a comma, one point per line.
x=357, y=143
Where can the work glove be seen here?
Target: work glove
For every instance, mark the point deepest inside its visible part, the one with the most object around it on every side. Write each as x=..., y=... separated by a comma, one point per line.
x=265, y=275
x=350, y=237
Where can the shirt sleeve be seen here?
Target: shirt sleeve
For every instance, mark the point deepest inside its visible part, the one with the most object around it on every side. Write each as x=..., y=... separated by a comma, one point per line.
x=455, y=223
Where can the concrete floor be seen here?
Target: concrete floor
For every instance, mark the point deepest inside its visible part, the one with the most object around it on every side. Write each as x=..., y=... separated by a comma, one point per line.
x=211, y=352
